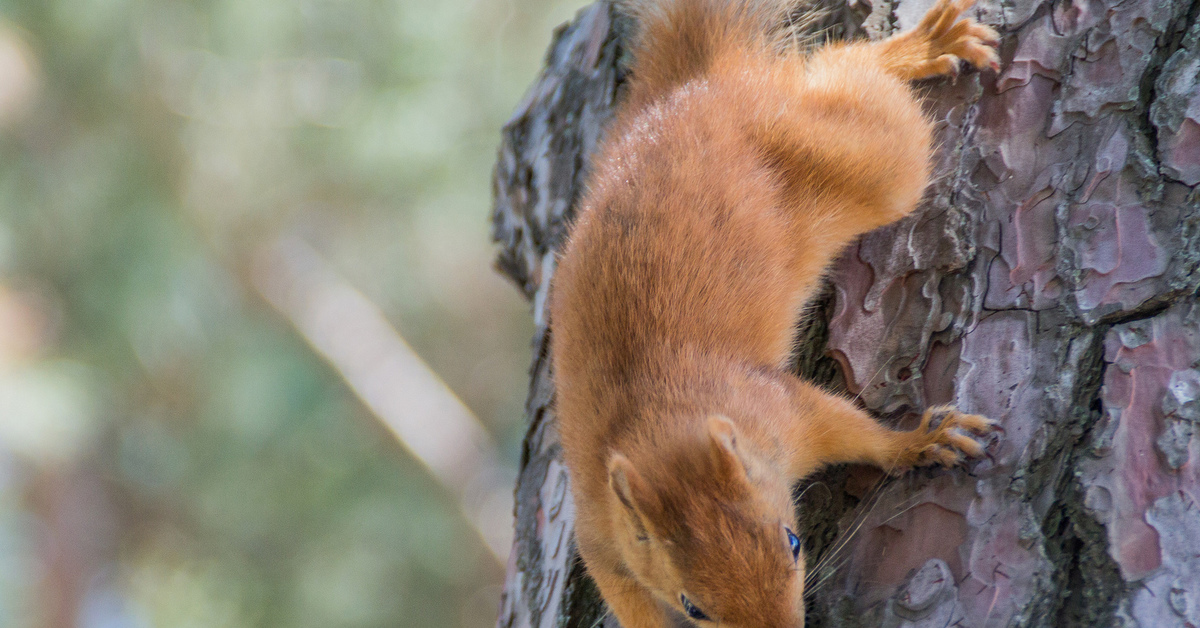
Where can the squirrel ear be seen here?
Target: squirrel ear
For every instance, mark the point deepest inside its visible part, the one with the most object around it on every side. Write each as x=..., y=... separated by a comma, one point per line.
x=622, y=477
x=630, y=488
x=723, y=440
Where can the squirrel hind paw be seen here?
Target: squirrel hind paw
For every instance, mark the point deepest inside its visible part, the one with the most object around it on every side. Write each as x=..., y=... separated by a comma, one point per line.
x=942, y=39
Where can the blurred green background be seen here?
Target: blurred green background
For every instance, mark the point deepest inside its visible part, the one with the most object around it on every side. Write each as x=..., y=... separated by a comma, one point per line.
x=173, y=451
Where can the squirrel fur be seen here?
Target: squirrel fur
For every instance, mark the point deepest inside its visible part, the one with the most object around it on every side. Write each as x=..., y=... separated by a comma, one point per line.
x=730, y=177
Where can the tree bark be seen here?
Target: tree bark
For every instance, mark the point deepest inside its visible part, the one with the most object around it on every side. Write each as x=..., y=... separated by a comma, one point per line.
x=1049, y=281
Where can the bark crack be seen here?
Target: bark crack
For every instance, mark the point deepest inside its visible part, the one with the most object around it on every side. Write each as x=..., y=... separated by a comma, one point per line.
x=1172, y=39
x=1086, y=583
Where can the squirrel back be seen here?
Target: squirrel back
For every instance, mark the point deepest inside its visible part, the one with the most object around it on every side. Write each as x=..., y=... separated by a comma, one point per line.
x=679, y=40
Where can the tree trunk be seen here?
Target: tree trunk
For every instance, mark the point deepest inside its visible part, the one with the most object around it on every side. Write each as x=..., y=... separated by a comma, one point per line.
x=1049, y=281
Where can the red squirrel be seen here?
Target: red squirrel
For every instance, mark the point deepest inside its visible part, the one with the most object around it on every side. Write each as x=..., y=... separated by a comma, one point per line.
x=730, y=177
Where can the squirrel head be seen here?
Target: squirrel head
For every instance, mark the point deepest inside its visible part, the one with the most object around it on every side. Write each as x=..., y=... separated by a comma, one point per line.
x=708, y=534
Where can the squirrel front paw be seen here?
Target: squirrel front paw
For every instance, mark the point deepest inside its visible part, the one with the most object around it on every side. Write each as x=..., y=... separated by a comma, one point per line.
x=944, y=437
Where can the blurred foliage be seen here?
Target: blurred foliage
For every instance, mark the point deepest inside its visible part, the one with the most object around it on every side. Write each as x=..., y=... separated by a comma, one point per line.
x=171, y=453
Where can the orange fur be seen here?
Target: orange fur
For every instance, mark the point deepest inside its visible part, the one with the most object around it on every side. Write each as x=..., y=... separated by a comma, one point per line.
x=730, y=178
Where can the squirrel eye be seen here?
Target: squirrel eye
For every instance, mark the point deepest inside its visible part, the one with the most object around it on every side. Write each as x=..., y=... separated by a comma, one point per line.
x=794, y=542
x=691, y=610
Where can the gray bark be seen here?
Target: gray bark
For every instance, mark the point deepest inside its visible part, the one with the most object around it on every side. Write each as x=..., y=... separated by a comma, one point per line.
x=1049, y=281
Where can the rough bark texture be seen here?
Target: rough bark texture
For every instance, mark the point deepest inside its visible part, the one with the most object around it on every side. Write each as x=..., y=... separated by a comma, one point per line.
x=1050, y=282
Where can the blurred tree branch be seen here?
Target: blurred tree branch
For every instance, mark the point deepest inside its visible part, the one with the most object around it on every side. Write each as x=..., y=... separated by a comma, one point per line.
x=428, y=420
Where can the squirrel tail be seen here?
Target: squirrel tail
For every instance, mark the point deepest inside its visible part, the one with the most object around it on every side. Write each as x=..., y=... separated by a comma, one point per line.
x=678, y=40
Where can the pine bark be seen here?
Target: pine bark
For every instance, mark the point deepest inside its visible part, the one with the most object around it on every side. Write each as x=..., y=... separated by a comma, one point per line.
x=1049, y=281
